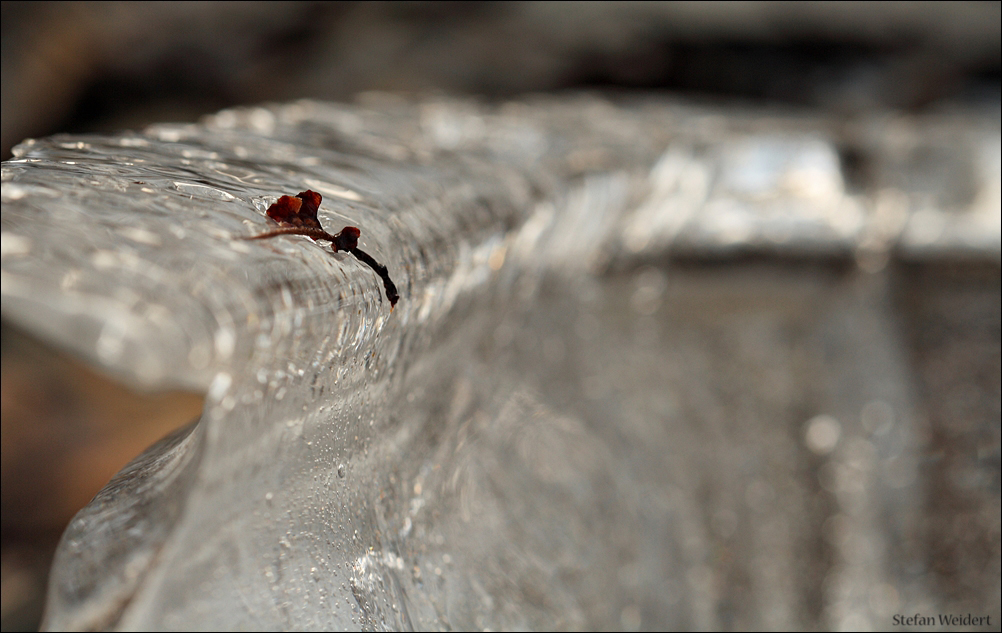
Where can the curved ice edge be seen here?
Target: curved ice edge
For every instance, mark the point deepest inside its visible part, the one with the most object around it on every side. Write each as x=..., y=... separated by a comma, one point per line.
x=90, y=587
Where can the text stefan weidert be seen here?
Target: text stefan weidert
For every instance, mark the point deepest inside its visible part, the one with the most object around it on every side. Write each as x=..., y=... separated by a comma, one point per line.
x=943, y=620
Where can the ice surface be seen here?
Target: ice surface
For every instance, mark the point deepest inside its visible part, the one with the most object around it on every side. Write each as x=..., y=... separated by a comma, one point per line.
x=541, y=433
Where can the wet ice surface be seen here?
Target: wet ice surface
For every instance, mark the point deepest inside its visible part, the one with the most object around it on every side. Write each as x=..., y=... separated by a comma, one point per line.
x=541, y=434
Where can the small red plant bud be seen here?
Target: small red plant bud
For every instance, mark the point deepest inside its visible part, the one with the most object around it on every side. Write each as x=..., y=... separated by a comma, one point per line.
x=298, y=216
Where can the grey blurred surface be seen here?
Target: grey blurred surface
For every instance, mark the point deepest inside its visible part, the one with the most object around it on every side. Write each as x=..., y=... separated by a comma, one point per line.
x=843, y=155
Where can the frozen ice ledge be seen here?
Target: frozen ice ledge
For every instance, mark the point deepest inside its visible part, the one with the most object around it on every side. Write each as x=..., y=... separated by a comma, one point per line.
x=355, y=466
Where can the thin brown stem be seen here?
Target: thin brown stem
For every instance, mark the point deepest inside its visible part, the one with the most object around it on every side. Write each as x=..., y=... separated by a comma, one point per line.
x=391, y=289
x=317, y=234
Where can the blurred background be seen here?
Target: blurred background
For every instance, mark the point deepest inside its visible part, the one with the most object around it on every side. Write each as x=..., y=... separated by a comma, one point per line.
x=84, y=67
x=104, y=67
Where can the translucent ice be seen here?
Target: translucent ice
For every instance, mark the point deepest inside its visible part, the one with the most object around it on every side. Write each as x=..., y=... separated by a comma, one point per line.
x=540, y=434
